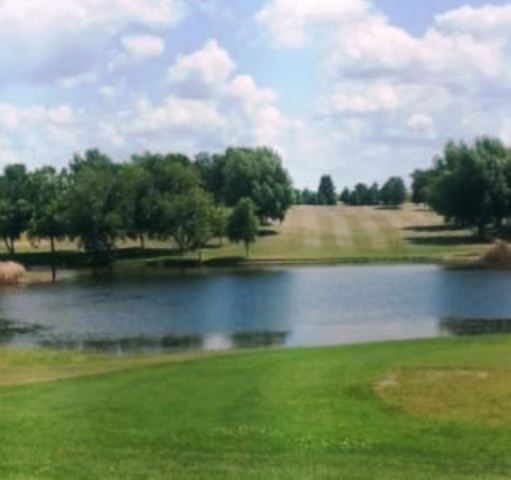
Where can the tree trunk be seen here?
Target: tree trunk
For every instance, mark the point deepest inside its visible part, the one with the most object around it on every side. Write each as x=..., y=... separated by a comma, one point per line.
x=247, y=249
x=142, y=242
x=7, y=246
x=53, y=262
x=498, y=224
x=481, y=231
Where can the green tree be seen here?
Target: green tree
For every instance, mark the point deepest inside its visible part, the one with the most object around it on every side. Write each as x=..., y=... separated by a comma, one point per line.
x=374, y=194
x=257, y=174
x=421, y=181
x=140, y=202
x=345, y=196
x=189, y=218
x=460, y=189
x=210, y=170
x=326, y=191
x=219, y=220
x=49, y=209
x=393, y=192
x=15, y=205
x=95, y=204
x=309, y=197
x=243, y=224
x=496, y=160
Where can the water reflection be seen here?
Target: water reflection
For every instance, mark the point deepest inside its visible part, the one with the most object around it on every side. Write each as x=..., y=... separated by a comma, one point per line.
x=222, y=309
x=12, y=333
x=475, y=326
x=10, y=330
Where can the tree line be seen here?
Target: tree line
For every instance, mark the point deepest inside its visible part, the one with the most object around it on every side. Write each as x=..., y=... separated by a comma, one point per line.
x=469, y=184
x=97, y=202
x=392, y=193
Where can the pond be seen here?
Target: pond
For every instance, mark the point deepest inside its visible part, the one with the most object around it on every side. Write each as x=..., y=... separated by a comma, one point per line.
x=222, y=309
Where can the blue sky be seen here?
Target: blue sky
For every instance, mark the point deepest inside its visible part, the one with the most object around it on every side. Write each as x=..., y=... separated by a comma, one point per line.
x=359, y=89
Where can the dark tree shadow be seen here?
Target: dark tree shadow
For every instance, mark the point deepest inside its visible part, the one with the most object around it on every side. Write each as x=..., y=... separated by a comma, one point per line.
x=440, y=240
x=267, y=232
x=388, y=207
x=433, y=228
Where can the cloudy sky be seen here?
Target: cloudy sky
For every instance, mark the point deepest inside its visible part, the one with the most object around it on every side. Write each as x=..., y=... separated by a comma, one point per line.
x=360, y=89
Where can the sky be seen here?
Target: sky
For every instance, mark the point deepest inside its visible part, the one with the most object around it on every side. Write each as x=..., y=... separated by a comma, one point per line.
x=359, y=89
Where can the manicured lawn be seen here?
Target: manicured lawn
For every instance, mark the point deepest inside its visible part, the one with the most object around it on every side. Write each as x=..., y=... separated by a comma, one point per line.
x=360, y=233
x=402, y=410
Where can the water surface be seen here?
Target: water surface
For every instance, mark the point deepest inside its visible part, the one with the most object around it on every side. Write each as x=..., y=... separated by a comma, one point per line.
x=298, y=306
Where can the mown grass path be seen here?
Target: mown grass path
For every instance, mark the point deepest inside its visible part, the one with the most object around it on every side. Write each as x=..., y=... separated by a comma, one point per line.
x=282, y=414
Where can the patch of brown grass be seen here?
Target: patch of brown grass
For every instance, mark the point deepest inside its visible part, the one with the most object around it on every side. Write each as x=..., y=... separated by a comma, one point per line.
x=461, y=394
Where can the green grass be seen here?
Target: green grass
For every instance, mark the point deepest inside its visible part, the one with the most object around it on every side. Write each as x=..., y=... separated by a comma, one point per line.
x=280, y=414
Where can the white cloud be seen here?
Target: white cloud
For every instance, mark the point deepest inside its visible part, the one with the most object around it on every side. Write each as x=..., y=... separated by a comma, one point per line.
x=376, y=98
x=40, y=18
x=136, y=49
x=289, y=21
x=392, y=91
x=174, y=112
x=209, y=65
x=487, y=20
x=107, y=91
x=77, y=80
x=419, y=123
x=66, y=39
x=140, y=47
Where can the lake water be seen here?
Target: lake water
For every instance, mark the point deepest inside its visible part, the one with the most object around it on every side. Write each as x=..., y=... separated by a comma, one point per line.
x=299, y=306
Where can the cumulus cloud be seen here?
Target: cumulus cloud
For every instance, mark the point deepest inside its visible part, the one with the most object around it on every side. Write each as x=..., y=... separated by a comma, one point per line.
x=236, y=110
x=385, y=99
x=203, y=69
x=391, y=89
x=68, y=38
x=354, y=100
x=488, y=20
x=137, y=48
x=419, y=123
x=289, y=21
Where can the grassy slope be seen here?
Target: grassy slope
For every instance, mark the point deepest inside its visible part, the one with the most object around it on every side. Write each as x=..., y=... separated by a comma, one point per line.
x=320, y=234
x=360, y=232
x=306, y=413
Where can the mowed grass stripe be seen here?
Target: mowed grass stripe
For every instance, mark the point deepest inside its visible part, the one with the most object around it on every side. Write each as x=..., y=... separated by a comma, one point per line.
x=362, y=242
x=371, y=224
x=311, y=227
x=341, y=230
x=392, y=235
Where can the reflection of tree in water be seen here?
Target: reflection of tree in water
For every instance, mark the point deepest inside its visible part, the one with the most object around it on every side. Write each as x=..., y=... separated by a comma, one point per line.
x=259, y=339
x=167, y=343
x=9, y=330
x=475, y=326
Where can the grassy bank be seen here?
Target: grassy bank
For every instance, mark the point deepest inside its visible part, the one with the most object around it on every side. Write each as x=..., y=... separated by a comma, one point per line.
x=308, y=235
x=388, y=411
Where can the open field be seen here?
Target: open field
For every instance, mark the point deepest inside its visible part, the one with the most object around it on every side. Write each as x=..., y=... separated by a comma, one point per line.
x=389, y=411
x=361, y=232
x=329, y=234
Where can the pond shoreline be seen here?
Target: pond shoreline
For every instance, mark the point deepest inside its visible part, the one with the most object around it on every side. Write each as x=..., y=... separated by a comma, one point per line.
x=42, y=273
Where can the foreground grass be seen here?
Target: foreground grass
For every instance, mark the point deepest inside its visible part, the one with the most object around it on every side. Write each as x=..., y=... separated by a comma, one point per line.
x=306, y=413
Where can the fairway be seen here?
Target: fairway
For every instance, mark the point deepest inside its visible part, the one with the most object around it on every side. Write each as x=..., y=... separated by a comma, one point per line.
x=350, y=233
x=282, y=414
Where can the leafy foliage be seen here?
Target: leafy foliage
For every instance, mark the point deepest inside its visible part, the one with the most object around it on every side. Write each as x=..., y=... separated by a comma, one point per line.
x=326, y=191
x=15, y=205
x=243, y=223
